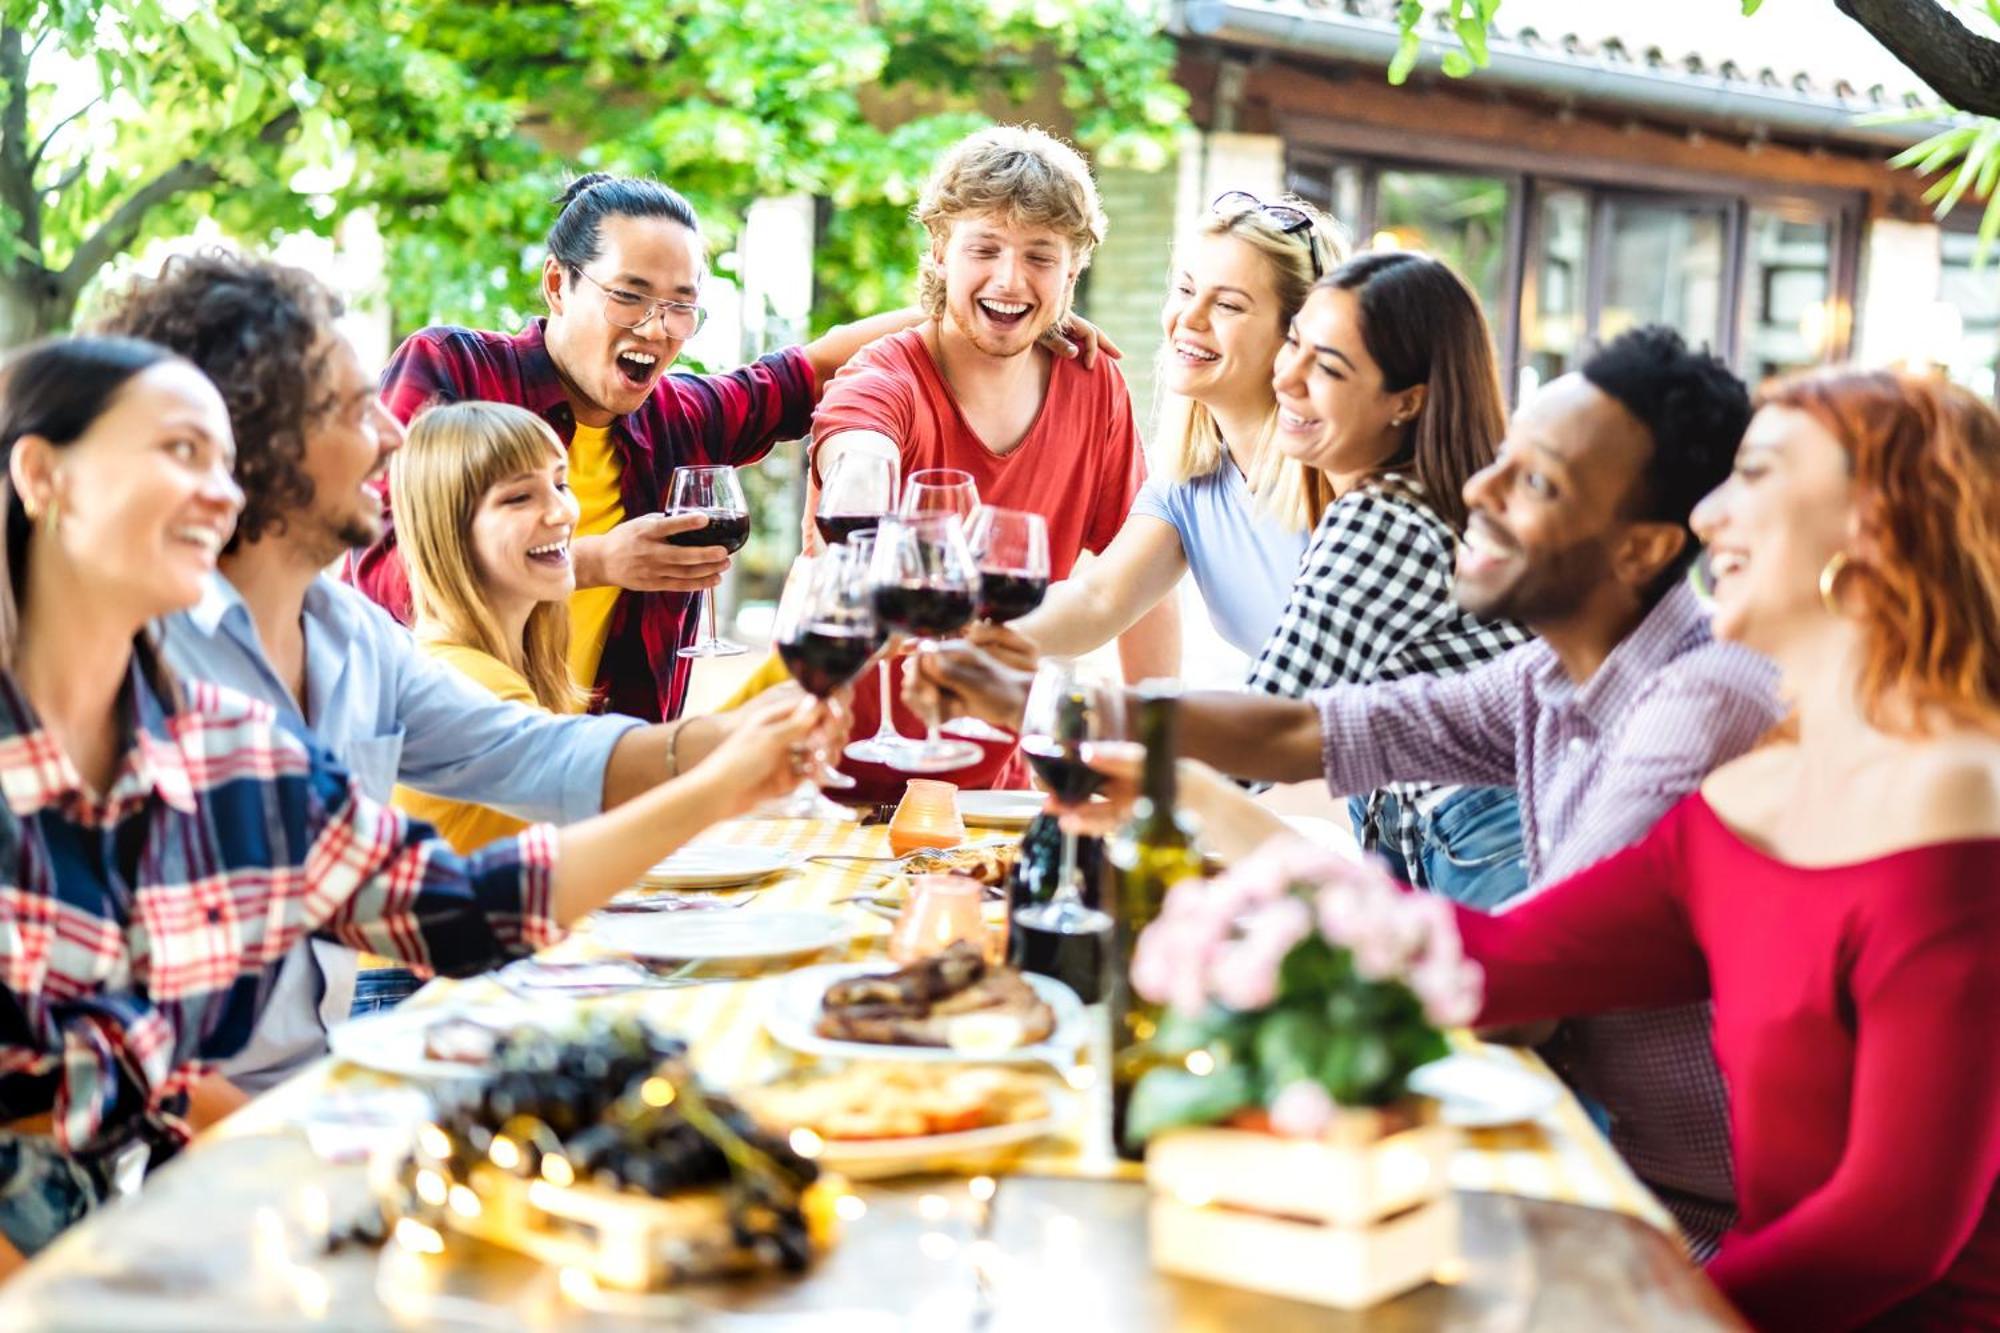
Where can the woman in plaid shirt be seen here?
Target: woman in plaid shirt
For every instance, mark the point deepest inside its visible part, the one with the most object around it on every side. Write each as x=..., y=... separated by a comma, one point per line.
x=1387, y=389
x=162, y=844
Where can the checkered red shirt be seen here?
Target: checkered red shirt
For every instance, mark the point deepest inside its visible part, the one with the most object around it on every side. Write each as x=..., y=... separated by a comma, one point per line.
x=690, y=421
x=140, y=931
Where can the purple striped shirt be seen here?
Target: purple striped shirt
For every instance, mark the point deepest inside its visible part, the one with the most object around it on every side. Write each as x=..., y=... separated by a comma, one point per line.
x=1597, y=764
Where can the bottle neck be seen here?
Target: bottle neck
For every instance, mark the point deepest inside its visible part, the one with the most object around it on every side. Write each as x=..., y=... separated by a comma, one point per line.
x=1158, y=786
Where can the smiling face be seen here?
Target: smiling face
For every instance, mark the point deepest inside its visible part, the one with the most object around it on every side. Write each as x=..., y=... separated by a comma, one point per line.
x=145, y=496
x=1005, y=283
x=520, y=537
x=1334, y=413
x=610, y=370
x=1222, y=323
x=1549, y=517
x=347, y=452
x=1786, y=510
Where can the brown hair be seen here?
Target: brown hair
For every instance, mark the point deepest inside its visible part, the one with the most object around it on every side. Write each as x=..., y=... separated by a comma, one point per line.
x=1017, y=172
x=1924, y=578
x=454, y=455
x=1423, y=325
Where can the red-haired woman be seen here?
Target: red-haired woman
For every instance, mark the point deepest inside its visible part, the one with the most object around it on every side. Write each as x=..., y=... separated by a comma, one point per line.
x=1837, y=891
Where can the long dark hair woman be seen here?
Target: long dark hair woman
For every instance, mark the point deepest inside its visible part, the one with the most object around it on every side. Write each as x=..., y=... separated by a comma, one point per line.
x=1388, y=391
x=165, y=842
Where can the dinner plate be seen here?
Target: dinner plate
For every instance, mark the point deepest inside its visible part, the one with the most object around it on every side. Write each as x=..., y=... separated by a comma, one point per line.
x=1480, y=1092
x=795, y=1008
x=688, y=937
x=716, y=867
x=875, y=1159
x=392, y=1042
x=1001, y=809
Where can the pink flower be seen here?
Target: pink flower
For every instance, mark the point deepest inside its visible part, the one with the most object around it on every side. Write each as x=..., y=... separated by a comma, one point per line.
x=1302, y=1110
x=1245, y=976
x=1450, y=990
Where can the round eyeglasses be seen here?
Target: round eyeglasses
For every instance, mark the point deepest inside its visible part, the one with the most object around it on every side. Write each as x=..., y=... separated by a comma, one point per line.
x=629, y=310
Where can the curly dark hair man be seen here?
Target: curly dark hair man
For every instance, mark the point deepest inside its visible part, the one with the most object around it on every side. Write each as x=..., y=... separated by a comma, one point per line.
x=265, y=333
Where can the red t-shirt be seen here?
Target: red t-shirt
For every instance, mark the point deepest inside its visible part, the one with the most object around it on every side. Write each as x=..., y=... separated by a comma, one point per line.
x=1079, y=466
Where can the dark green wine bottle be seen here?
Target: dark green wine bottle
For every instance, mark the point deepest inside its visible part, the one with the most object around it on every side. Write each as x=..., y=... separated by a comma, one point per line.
x=1152, y=853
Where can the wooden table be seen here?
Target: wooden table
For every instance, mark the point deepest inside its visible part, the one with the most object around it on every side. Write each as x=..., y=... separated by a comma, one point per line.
x=215, y=1241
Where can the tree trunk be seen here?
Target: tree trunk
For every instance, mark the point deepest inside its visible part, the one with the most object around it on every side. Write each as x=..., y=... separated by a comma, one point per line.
x=32, y=305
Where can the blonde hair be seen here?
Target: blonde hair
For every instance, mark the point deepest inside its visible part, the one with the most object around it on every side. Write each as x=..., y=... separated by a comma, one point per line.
x=1190, y=443
x=1030, y=178
x=454, y=455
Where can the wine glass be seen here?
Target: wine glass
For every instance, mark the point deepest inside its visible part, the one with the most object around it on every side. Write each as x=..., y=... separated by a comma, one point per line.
x=1011, y=549
x=859, y=492
x=715, y=492
x=1068, y=705
x=925, y=585
x=825, y=632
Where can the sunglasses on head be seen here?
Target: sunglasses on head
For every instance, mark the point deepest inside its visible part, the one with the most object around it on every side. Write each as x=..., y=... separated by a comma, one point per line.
x=1291, y=221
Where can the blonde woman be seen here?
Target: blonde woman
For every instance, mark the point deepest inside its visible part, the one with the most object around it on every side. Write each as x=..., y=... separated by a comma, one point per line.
x=1224, y=504
x=486, y=517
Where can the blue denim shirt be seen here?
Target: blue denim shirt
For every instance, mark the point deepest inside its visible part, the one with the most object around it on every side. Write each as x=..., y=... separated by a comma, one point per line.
x=390, y=714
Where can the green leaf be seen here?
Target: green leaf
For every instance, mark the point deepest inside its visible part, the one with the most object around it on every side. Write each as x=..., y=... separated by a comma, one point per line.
x=1169, y=1098
x=1473, y=33
x=1290, y=1045
x=1405, y=58
x=1751, y=6
x=1456, y=64
x=1989, y=232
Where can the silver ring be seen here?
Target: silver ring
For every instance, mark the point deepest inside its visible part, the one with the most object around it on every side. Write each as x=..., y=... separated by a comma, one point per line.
x=801, y=760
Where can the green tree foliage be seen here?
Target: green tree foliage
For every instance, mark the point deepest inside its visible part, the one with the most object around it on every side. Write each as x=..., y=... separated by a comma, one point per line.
x=1961, y=66
x=456, y=122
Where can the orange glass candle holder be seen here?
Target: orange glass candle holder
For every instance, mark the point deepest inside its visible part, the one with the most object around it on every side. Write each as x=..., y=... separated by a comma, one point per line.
x=927, y=817
x=941, y=910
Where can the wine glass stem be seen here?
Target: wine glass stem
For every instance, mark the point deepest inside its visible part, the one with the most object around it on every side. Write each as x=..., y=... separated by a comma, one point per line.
x=931, y=739
x=885, y=729
x=710, y=596
x=1067, y=889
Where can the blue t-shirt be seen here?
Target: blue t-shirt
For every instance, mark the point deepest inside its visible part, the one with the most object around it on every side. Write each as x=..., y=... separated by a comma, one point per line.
x=1243, y=558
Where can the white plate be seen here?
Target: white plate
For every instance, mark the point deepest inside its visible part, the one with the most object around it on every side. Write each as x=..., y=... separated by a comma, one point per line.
x=716, y=867
x=795, y=1009
x=1475, y=1092
x=392, y=1042
x=874, y=1159
x=691, y=936
x=1001, y=809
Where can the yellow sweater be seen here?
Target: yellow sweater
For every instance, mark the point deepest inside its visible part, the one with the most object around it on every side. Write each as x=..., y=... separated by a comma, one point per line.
x=468, y=827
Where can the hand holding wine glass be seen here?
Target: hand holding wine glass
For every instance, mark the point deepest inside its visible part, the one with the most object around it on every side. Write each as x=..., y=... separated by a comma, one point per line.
x=715, y=493
x=925, y=586
x=1011, y=549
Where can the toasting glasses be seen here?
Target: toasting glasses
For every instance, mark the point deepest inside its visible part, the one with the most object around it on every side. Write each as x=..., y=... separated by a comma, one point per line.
x=1011, y=549
x=826, y=631
x=925, y=585
x=715, y=492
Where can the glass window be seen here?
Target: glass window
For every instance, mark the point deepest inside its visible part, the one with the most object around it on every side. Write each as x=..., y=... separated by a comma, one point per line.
x=1664, y=264
x=1555, y=295
x=1461, y=220
x=1975, y=294
x=1789, y=317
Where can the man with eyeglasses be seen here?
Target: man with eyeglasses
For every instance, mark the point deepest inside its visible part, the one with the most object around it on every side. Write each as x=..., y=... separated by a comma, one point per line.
x=622, y=282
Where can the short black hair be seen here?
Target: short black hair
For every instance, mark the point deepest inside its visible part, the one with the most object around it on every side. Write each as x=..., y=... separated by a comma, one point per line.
x=578, y=236
x=1689, y=401
x=262, y=331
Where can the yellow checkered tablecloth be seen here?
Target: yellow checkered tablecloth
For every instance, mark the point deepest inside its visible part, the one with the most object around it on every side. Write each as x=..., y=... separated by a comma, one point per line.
x=1560, y=1157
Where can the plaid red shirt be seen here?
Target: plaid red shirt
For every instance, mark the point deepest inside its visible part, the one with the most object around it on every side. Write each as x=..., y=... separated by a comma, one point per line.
x=140, y=931
x=690, y=421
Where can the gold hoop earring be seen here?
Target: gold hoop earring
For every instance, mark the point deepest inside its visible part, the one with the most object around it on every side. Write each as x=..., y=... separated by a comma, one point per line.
x=1829, y=582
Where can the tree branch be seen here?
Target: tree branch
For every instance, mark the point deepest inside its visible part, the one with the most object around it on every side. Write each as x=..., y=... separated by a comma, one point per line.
x=117, y=232
x=35, y=158
x=67, y=179
x=17, y=178
x=1956, y=63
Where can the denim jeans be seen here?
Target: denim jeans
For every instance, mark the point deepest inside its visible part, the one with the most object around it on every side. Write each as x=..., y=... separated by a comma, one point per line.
x=42, y=1191
x=1469, y=845
x=379, y=988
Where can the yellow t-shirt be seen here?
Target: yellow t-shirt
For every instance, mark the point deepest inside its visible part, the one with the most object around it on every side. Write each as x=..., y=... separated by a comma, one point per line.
x=594, y=476
x=468, y=827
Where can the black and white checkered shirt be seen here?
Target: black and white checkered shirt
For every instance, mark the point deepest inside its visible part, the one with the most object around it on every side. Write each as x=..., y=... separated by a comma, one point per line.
x=1373, y=602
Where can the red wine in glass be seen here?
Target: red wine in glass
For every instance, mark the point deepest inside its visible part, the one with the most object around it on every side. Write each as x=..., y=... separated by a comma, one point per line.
x=924, y=610
x=822, y=658
x=729, y=529
x=1005, y=595
x=835, y=529
x=1062, y=770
